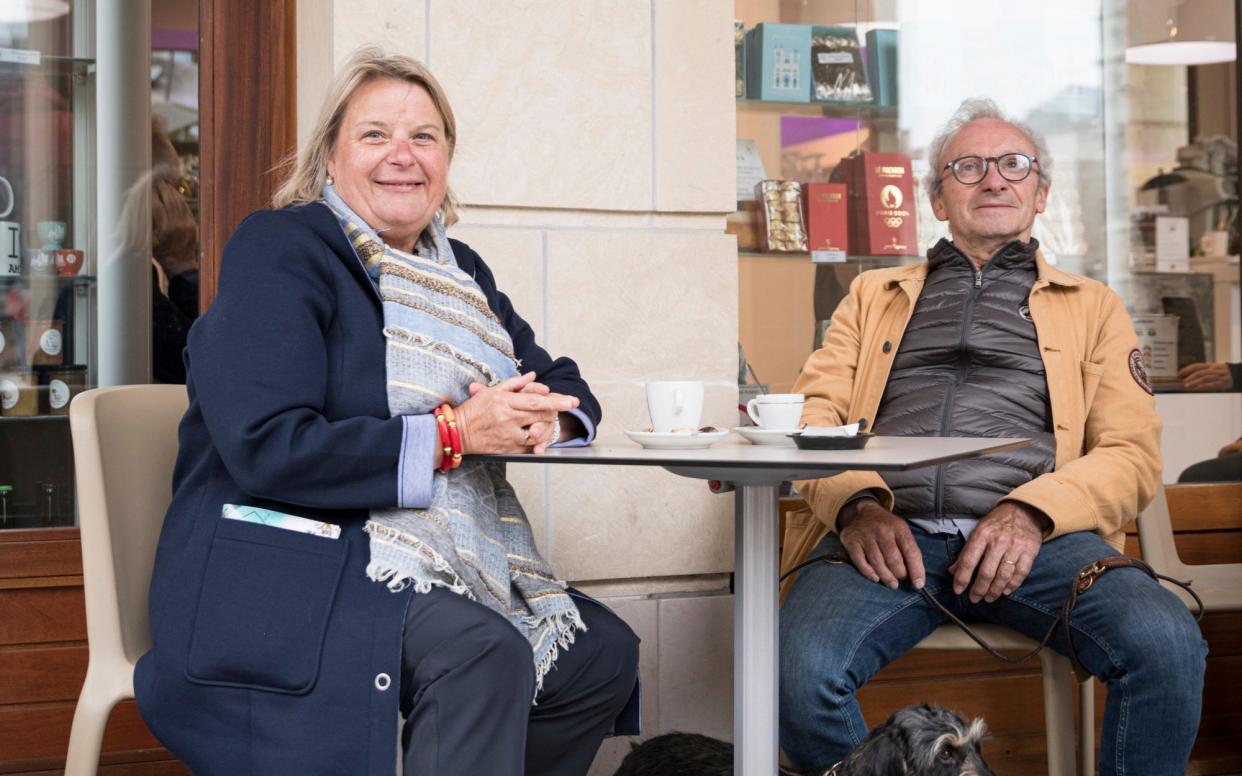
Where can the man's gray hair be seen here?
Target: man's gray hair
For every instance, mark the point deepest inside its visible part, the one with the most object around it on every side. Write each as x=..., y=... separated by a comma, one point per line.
x=973, y=109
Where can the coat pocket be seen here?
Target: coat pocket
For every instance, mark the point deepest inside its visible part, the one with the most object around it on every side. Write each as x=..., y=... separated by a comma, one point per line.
x=263, y=608
x=1091, y=374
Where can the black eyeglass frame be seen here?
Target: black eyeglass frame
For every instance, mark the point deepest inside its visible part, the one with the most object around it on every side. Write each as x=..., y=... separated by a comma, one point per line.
x=988, y=161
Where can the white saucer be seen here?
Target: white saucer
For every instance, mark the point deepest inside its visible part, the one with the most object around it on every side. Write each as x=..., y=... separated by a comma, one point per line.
x=673, y=441
x=777, y=437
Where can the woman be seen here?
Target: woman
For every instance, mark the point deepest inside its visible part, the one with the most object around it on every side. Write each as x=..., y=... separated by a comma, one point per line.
x=332, y=553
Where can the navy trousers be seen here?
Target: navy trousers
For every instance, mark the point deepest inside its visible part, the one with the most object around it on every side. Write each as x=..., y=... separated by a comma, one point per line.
x=467, y=679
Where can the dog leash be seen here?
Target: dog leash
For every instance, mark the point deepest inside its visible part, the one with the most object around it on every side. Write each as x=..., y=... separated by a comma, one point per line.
x=1082, y=582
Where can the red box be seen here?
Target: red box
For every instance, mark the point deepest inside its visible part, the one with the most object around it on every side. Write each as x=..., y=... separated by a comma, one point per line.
x=827, y=216
x=881, y=195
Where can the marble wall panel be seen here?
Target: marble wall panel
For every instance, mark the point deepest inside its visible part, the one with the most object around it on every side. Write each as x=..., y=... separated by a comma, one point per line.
x=397, y=26
x=624, y=522
x=641, y=614
x=515, y=257
x=645, y=305
x=694, y=106
x=553, y=100
x=330, y=30
x=696, y=665
x=629, y=521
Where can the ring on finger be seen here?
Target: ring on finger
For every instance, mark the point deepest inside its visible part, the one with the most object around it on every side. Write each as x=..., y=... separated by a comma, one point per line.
x=1010, y=562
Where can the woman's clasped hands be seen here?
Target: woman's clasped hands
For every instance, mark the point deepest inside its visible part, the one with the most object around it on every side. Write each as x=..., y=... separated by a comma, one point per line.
x=513, y=416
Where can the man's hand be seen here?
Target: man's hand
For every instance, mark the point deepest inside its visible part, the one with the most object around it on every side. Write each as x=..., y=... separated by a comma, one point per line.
x=1003, y=548
x=1212, y=376
x=880, y=544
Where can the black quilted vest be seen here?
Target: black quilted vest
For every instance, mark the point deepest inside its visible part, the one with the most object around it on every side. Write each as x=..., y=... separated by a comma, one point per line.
x=969, y=365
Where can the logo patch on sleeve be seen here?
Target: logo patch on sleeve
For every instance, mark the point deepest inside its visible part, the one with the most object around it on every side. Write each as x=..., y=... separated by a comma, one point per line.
x=1139, y=372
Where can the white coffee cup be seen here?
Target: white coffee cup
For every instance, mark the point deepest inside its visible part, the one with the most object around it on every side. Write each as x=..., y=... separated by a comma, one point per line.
x=776, y=411
x=675, y=405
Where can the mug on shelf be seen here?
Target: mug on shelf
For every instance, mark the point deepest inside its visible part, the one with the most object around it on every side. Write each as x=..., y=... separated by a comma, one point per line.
x=19, y=394
x=69, y=261
x=41, y=262
x=10, y=248
x=9, y=198
x=10, y=343
x=44, y=343
x=52, y=233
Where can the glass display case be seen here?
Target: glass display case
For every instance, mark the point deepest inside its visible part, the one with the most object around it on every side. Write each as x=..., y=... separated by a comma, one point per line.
x=47, y=261
x=840, y=91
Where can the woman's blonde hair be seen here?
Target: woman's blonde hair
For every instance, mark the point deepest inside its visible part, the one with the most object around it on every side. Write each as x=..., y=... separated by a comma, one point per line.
x=310, y=167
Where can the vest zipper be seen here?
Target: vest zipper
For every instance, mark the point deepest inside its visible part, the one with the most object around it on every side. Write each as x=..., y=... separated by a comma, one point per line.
x=963, y=363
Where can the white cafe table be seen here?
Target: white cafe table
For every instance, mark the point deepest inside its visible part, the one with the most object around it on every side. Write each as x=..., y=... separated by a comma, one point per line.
x=756, y=472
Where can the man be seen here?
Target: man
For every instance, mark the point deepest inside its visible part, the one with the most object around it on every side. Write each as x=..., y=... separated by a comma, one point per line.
x=985, y=339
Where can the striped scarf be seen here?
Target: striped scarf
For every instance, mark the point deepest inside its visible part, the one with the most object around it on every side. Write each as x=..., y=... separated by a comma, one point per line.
x=474, y=539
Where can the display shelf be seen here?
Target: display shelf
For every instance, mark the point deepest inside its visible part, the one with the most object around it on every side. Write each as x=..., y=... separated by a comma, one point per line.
x=62, y=281
x=34, y=418
x=56, y=66
x=861, y=111
x=851, y=259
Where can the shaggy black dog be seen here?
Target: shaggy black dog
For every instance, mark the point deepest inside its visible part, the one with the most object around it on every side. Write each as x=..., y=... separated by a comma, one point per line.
x=918, y=740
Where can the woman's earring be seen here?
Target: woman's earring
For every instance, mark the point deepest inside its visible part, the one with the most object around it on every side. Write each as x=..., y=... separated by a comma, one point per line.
x=329, y=180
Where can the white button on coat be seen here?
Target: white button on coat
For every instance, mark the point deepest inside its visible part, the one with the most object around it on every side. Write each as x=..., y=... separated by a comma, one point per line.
x=382, y=682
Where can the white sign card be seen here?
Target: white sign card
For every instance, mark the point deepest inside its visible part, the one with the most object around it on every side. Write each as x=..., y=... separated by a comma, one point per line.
x=749, y=170
x=1172, y=244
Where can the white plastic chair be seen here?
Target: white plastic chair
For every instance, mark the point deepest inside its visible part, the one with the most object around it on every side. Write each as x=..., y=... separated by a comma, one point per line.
x=1058, y=676
x=1218, y=584
x=124, y=446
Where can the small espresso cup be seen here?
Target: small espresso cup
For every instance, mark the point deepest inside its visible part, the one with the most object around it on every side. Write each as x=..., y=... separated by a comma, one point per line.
x=776, y=411
x=675, y=405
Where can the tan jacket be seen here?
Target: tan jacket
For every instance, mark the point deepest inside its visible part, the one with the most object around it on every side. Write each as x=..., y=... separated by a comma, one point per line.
x=1104, y=420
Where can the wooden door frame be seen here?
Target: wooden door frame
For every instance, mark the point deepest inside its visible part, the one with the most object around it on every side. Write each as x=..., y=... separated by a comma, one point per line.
x=247, y=117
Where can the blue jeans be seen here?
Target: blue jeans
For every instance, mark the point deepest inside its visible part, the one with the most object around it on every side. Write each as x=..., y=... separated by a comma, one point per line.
x=839, y=628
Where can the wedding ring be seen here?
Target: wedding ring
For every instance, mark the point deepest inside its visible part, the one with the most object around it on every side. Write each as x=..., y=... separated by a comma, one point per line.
x=1011, y=562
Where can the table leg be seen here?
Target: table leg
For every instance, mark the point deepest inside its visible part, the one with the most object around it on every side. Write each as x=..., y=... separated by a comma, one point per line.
x=755, y=637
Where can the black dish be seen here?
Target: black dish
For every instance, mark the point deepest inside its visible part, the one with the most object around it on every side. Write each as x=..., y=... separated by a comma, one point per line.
x=856, y=442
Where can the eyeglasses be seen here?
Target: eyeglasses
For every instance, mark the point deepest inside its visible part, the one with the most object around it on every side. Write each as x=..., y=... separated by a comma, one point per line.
x=969, y=170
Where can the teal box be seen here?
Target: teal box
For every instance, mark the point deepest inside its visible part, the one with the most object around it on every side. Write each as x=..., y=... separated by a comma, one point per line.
x=778, y=62
x=882, y=66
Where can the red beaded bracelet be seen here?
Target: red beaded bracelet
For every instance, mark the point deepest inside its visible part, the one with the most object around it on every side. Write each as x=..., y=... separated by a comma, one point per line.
x=454, y=435
x=446, y=440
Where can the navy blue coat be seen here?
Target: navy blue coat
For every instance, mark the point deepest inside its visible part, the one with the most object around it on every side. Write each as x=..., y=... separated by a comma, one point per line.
x=273, y=653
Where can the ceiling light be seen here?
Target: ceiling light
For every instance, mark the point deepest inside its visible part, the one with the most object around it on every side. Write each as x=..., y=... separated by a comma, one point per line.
x=1190, y=32
x=28, y=11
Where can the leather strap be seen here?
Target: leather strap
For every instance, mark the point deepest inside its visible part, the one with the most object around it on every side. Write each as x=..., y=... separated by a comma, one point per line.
x=1082, y=582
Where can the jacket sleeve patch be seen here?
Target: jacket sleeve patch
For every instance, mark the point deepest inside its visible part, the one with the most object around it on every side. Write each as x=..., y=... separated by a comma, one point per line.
x=1139, y=372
